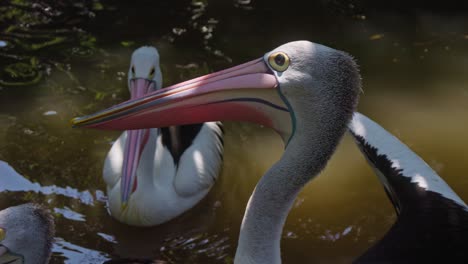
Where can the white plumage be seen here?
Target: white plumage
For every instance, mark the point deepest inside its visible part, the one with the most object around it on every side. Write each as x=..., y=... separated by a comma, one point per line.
x=164, y=188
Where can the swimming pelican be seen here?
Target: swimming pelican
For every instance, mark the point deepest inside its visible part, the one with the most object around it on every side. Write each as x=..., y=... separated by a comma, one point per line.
x=26, y=233
x=308, y=93
x=155, y=174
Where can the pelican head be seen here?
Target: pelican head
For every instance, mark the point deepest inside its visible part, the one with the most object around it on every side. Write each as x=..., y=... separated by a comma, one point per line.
x=144, y=76
x=144, y=73
x=298, y=80
x=26, y=233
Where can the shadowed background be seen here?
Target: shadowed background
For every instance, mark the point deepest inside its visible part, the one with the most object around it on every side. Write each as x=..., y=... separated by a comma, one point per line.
x=61, y=59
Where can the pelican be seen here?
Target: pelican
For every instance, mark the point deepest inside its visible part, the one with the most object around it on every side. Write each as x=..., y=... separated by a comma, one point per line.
x=155, y=174
x=26, y=233
x=308, y=93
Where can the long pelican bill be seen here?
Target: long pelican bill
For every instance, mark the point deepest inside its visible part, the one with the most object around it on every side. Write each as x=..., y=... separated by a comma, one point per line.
x=136, y=141
x=248, y=92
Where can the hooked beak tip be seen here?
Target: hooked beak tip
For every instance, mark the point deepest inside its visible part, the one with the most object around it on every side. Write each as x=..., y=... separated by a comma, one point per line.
x=74, y=122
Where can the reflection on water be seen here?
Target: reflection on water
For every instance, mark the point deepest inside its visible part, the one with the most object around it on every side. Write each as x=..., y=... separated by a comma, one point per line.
x=71, y=253
x=60, y=59
x=12, y=181
x=70, y=214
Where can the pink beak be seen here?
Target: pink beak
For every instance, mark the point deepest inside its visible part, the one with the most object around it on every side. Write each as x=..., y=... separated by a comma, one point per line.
x=248, y=92
x=136, y=141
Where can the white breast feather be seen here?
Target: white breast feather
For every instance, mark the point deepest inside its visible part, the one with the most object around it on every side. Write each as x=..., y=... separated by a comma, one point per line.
x=200, y=164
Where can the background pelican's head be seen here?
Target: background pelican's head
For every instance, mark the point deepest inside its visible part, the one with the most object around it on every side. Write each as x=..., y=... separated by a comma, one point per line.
x=27, y=232
x=144, y=74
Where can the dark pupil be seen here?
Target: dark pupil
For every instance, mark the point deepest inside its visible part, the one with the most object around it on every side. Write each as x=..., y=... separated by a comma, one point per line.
x=279, y=59
x=152, y=72
x=133, y=70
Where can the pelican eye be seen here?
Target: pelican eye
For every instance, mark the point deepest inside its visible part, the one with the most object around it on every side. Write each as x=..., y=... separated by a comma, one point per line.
x=151, y=74
x=2, y=234
x=279, y=61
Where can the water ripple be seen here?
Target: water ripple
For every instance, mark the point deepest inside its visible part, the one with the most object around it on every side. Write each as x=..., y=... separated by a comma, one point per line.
x=74, y=254
x=70, y=214
x=12, y=181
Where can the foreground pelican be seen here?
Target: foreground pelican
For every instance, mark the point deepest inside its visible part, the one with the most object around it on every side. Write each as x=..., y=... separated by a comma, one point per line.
x=153, y=175
x=307, y=93
x=26, y=233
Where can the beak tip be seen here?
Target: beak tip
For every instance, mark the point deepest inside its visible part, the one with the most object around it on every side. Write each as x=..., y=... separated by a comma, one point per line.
x=74, y=122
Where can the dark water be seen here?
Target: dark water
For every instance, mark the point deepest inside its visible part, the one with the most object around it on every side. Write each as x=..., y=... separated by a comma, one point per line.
x=61, y=59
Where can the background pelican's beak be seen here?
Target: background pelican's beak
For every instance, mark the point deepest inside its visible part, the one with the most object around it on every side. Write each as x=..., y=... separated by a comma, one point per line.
x=7, y=257
x=134, y=145
x=136, y=141
x=248, y=92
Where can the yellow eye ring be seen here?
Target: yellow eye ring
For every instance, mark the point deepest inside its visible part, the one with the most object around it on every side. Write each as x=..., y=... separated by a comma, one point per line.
x=151, y=74
x=279, y=61
x=2, y=234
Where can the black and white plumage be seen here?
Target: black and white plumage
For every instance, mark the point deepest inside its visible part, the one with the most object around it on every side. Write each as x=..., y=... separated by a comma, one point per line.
x=26, y=234
x=159, y=173
x=432, y=224
x=308, y=93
